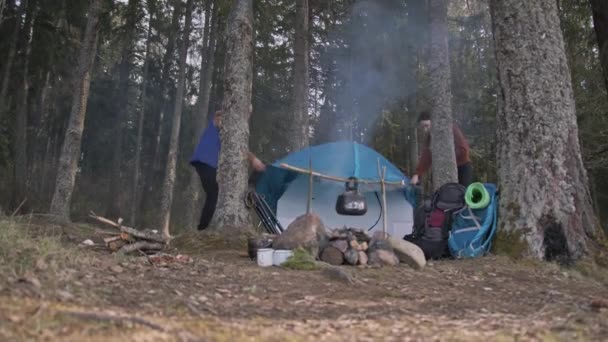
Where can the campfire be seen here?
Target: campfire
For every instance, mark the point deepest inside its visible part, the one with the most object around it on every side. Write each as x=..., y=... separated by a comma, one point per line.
x=352, y=246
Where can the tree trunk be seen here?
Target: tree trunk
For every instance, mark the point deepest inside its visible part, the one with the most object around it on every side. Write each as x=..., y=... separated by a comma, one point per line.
x=208, y=60
x=2, y=3
x=20, y=167
x=299, y=124
x=600, y=22
x=442, y=142
x=70, y=153
x=137, y=188
x=232, y=171
x=545, y=198
x=165, y=81
x=8, y=67
x=169, y=182
x=113, y=206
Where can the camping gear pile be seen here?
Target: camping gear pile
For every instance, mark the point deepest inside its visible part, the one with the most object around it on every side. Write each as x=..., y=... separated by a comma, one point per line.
x=129, y=240
x=456, y=222
x=348, y=184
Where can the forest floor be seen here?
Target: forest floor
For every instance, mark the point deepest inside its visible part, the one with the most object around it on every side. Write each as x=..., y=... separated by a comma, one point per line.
x=53, y=288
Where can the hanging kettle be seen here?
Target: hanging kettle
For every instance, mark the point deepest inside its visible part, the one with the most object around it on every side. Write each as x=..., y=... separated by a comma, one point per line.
x=351, y=202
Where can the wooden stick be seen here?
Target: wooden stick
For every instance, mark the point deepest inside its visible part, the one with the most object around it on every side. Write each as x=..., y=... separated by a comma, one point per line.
x=140, y=245
x=19, y=207
x=132, y=231
x=384, y=209
x=333, y=178
x=309, y=200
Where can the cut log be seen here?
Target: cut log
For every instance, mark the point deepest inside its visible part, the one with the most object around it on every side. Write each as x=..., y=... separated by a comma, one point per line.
x=141, y=246
x=355, y=245
x=363, y=258
x=115, y=245
x=111, y=239
x=364, y=246
x=351, y=256
x=332, y=256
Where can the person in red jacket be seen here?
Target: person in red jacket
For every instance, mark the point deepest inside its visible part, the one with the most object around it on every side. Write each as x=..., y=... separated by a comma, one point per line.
x=461, y=147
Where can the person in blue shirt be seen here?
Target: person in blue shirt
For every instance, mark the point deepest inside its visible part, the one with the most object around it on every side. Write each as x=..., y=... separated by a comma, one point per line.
x=205, y=161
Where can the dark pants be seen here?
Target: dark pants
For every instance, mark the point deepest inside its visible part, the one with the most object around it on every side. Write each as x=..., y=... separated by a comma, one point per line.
x=465, y=174
x=207, y=175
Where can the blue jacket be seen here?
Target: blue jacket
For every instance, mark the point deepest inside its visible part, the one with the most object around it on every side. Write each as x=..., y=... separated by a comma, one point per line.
x=208, y=148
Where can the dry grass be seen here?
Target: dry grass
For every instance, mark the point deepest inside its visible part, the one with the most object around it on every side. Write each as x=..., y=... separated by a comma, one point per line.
x=23, y=249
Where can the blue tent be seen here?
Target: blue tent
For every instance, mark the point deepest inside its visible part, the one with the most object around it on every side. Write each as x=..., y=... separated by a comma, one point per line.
x=284, y=186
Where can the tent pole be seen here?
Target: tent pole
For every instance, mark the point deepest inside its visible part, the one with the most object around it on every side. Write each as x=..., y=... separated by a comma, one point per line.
x=309, y=199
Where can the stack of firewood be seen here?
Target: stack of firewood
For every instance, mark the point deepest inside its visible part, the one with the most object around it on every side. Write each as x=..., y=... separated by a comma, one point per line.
x=128, y=240
x=347, y=246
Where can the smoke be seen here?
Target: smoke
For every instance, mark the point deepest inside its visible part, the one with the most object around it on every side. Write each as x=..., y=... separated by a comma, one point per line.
x=373, y=67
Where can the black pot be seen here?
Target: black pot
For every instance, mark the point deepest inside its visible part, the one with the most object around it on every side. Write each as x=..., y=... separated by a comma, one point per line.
x=253, y=244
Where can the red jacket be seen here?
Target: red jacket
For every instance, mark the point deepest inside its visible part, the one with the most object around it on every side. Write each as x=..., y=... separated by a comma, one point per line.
x=461, y=147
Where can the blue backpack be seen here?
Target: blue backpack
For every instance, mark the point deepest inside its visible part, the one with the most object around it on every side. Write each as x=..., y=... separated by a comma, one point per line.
x=473, y=230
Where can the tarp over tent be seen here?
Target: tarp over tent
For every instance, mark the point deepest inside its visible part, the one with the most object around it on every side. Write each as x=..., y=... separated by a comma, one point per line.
x=286, y=190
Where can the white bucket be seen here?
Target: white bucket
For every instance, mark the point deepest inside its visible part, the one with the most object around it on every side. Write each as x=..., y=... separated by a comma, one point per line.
x=265, y=257
x=280, y=256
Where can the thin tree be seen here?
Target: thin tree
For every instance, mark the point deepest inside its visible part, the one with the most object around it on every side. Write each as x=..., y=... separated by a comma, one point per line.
x=68, y=160
x=545, y=201
x=442, y=142
x=200, y=121
x=600, y=22
x=236, y=106
x=20, y=167
x=121, y=106
x=165, y=80
x=141, y=117
x=8, y=63
x=169, y=182
x=298, y=137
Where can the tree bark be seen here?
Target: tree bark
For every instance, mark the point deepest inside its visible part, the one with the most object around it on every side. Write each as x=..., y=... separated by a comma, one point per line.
x=232, y=172
x=299, y=123
x=70, y=153
x=442, y=142
x=545, y=198
x=207, y=64
x=137, y=186
x=600, y=22
x=122, y=109
x=169, y=182
x=20, y=167
x=8, y=67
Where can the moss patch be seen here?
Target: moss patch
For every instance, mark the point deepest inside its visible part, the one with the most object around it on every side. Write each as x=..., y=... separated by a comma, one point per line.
x=509, y=243
x=301, y=260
